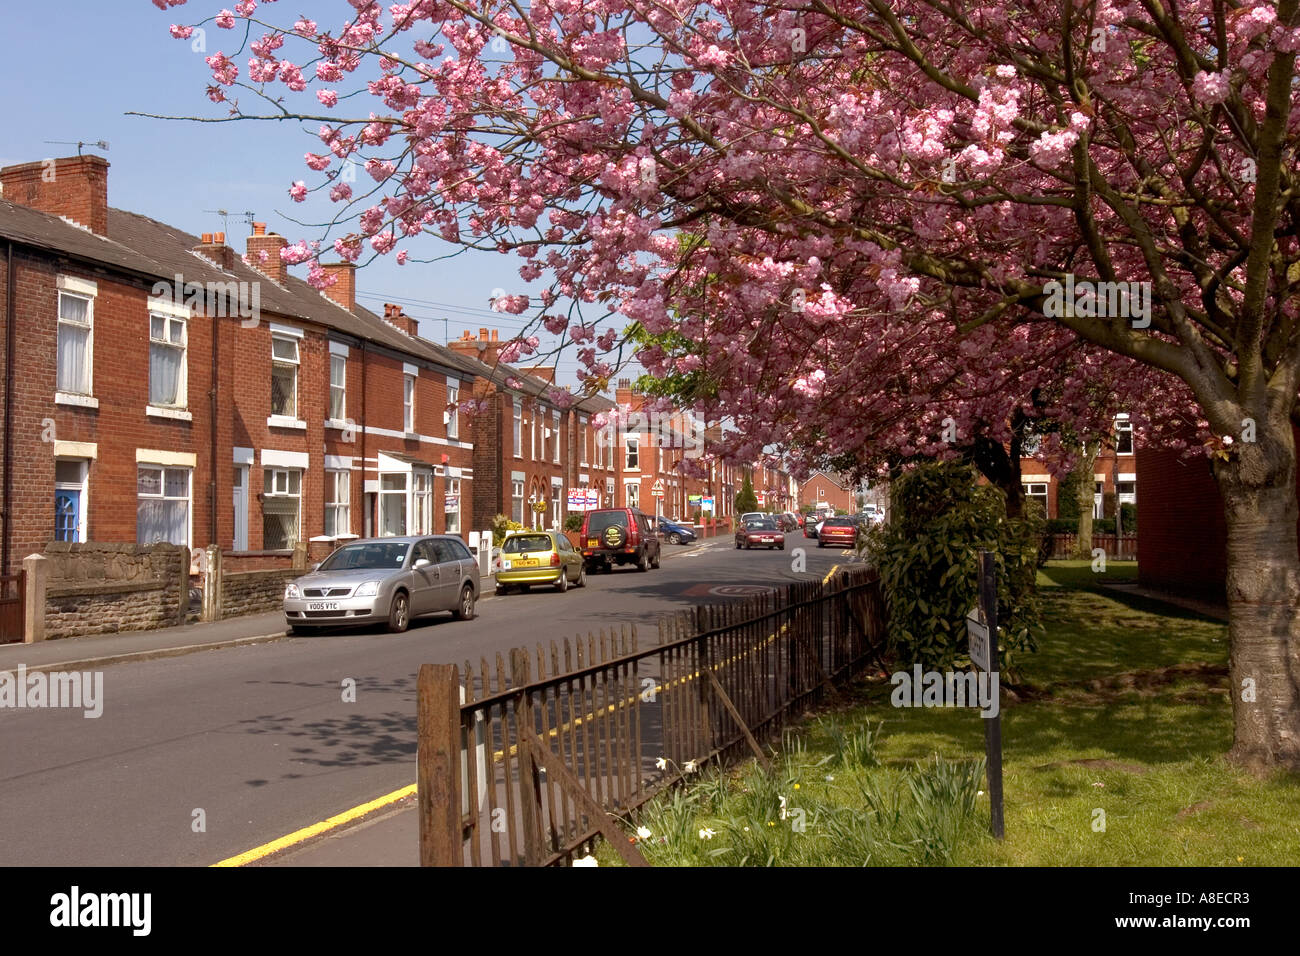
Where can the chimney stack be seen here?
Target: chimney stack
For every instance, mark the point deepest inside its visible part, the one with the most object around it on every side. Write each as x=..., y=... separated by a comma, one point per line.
x=75, y=187
x=344, y=289
x=213, y=247
x=260, y=241
x=485, y=348
x=394, y=315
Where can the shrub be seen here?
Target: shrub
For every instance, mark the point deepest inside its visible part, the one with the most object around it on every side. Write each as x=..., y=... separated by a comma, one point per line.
x=928, y=562
x=573, y=522
x=746, y=500
x=501, y=526
x=1129, y=515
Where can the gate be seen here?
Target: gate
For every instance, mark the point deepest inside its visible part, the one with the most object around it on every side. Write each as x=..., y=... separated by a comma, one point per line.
x=13, y=600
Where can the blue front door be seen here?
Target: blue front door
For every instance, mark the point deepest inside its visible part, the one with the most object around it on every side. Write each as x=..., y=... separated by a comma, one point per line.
x=67, y=515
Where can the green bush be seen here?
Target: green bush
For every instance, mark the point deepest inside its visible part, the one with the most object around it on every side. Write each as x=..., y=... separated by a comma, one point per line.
x=746, y=500
x=1129, y=515
x=501, y=526
x=573, y=522
x=928, y=562
x=1067, y=500
x=1063, y=526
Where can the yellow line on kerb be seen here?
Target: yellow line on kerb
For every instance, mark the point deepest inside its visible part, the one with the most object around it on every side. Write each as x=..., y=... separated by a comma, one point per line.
x=306, y=833
x=347, y=816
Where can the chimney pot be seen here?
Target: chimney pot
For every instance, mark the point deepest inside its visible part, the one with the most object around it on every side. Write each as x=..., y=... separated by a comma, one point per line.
x=494, y=335
x=220, y=238
x=259, y=229
x=482, y=334
x=207, y=238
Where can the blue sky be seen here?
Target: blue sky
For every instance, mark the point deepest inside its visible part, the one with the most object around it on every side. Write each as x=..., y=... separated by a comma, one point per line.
x=71, y=70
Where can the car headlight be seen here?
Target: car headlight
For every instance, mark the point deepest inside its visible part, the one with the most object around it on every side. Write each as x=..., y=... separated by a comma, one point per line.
x=291, y=591
x=369, y=589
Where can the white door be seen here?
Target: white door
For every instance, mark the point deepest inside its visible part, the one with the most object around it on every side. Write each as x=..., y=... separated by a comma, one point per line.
x=241, y=507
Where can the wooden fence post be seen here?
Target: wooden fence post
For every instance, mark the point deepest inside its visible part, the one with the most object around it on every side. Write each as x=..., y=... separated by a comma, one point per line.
x=438, y=764
x=530, y=803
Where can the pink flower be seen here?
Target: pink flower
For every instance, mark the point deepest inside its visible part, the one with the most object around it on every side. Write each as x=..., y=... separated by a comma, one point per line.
x=401, y=257
x=298, y=191
x=317, y=162
x=1211, y=88
x=226, y=20
x=341, y=192
x=327, y=97
x=181, y=33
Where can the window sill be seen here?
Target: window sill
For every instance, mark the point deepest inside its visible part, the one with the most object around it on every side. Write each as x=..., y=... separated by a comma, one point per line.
x=411, y=436
x=157, y=411
x=342, y=424
x=285, y=421
x=68, y=398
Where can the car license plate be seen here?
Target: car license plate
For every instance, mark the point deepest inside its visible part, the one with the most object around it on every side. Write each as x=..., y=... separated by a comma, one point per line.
x=527, y=563
x=322, y=605
x=593, y=543
x=768, y=540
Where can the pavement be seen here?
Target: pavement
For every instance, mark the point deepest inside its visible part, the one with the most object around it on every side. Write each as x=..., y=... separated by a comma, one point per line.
x=383, y=832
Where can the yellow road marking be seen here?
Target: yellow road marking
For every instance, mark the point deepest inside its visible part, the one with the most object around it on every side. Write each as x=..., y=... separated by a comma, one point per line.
x=324, y=826
x=347, y=816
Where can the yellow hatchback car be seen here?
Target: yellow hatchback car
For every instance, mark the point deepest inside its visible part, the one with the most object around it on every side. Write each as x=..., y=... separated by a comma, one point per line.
x=539, y=557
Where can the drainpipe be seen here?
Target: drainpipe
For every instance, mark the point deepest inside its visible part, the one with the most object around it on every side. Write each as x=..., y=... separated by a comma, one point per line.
x=361, y=426
x=212, y=432
x=10, y=335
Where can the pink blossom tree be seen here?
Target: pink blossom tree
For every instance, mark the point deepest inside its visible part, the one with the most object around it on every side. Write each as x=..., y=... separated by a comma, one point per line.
x=871, y=221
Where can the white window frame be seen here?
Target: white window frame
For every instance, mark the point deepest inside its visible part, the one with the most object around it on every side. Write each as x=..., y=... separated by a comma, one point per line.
x=631, y=448
x=421, y=506
x=162, y=469
x=519, y=430
x=451, y=417
x=582, y=427
x=81, y=486
x=408, y=403
x=631, y=491
x=517, y=500
x=339, y=386
x=277, y=473
x=555, y=424
x=182, y=386
x=1123, y=433
x=338, y=485
x=294, y=363
x=451, y=516
x=385, y=493
x=75, y=289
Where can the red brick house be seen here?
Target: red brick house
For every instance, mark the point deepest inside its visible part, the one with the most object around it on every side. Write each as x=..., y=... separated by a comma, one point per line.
x=1115, y=469
x=1183, y=544
x=160, y=388
x=824, y=491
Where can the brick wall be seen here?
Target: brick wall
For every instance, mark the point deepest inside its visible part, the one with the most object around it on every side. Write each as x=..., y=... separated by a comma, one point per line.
x=1183, y=543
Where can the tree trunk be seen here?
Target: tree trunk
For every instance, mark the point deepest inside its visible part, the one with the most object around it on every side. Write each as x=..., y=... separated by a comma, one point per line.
x=1083, y=490
x=1258, y=485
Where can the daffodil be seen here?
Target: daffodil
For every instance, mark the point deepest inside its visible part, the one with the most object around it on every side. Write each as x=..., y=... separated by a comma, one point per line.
x=706, y=834
x=689, y=766
x=662, y=763
x=586, y=861
x=643, y=832
x=796, y=786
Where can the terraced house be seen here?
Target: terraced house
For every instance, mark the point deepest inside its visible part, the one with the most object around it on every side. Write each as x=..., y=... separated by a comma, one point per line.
x=160, y=387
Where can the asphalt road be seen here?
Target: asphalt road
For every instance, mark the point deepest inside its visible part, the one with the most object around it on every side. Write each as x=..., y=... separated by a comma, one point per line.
x=255, y=742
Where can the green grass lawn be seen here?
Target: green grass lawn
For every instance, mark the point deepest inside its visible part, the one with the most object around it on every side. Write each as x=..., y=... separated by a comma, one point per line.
x=1112, y=756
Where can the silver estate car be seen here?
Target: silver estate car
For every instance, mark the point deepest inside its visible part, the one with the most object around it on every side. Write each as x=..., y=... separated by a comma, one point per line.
x=385, y=579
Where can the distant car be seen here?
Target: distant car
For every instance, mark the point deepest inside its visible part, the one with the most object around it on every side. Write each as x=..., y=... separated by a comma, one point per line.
x=539, y=557
x=613, y=536
x=676, y=533
x=873, y=514
x=753, y=514
x=842, y=531
x=787, y=521
x=390, y=580
x=760, y=533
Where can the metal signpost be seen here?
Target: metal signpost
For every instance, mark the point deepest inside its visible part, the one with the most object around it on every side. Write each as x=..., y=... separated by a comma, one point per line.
x=982, y=630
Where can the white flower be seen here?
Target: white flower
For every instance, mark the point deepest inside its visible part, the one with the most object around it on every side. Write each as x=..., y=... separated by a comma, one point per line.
x=643, y=832
x=979, y=793
x=586, y=861
x=831, y=779
x=661, y=763
x=706, y=834
x=689, y=767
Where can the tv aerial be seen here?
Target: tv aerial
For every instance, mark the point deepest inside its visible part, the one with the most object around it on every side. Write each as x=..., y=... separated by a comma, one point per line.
x=247, y=215
x=100, y=144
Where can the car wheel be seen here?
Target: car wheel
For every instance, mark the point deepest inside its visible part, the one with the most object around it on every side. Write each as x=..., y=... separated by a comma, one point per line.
x=503, y=589
x=821, y=544
x=582, y=576
x=737, y=545
x=674, y=538
x=641, y=563
x=562, y=584
x=782, y=547
x=465, y=608
x=399, y=615
x=658, y=555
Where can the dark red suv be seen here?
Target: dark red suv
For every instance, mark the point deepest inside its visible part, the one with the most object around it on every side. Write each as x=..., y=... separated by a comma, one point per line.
x=613, y=536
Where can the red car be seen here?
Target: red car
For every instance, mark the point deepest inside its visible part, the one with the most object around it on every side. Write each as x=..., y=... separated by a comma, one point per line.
x=760, y=533
x=841, y=531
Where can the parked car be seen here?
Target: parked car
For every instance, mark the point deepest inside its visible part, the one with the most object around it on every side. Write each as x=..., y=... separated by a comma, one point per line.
x=675, y=532
x=539, y=557
x=613, y=536
x=841, y=531
x=390, y=580
x=874, y=514
x=753, y=514
x=810, y=526
x=760, y=533
x=787, y=522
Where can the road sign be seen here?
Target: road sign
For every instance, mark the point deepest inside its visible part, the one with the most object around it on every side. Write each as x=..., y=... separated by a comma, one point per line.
x=658, y=489
x=977, y=634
